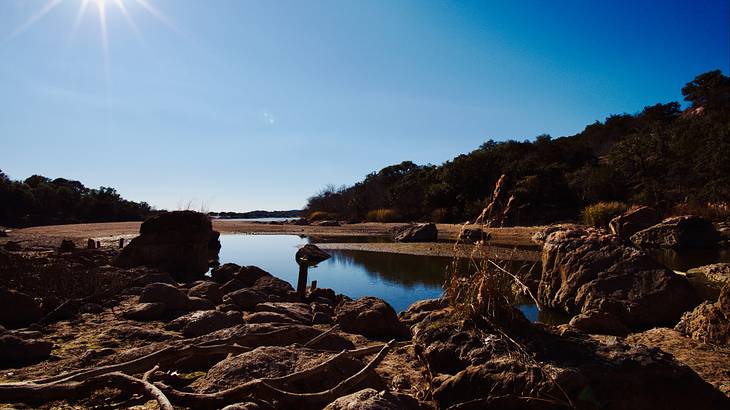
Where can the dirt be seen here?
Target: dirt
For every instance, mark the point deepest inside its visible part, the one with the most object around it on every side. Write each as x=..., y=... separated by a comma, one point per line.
x=510, y=243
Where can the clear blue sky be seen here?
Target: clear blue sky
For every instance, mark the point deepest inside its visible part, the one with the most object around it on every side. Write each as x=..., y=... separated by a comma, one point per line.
x=243, y=105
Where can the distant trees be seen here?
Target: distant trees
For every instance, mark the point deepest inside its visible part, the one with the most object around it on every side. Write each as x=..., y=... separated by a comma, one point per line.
x=661, y=156
x=40, y=201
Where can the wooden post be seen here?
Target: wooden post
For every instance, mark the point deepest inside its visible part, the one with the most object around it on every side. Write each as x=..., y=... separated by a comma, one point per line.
x=98, y=244
x=313, y=286
x=302, y=282
x=90, y=244
x=121, y=243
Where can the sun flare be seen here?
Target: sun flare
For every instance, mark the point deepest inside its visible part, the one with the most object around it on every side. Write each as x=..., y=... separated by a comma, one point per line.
x=103, y=8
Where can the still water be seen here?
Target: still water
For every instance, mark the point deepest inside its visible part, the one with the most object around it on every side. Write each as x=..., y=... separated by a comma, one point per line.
x=398, y=279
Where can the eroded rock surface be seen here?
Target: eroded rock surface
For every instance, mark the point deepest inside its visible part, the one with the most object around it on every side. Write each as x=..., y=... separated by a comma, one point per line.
x=633, y=221
x=687, y=231
x=425, y=232
x=709, y=322
x=370, y=317
x=587, y=271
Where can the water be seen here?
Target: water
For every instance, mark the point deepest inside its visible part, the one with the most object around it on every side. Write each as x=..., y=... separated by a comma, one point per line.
x=684, y=259
x=272, y=219
x=398, y=279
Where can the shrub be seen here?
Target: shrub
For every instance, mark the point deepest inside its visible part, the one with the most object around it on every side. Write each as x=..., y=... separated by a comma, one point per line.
x=321, y=216
x=382, y=215
x=719, y=211
x=600, y=214
x=439, y=215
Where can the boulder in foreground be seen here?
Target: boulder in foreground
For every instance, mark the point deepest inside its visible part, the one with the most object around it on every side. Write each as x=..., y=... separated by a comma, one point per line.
x=588, y=272
x=709, y=322
x=371, y=317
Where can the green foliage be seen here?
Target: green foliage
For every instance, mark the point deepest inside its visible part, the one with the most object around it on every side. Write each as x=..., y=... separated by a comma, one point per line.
x=600, y=214
x=383, y=215
x=41, y=201
x=661, y=156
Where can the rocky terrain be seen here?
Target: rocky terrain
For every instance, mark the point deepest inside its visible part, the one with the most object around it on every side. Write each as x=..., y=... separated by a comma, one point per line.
x=146, y=327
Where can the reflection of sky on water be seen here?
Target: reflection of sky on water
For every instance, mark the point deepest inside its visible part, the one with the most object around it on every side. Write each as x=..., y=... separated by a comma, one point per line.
x=398, y=279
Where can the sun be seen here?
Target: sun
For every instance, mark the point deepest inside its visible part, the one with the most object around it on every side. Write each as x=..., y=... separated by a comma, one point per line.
x=102, y=10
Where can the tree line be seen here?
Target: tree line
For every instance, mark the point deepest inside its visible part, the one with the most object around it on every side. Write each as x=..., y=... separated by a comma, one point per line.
x=38, y=200
x=663, y=156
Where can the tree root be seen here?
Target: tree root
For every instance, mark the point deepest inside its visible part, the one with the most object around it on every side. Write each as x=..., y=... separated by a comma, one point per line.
x=264, y=389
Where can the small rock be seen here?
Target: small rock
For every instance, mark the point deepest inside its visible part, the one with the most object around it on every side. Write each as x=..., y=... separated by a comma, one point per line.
x=165, y=293
x=145, y=312
x=207, y=290
x=633, y=221
x=67, y=245
x=299, y=312
x=225, y=272
x=248, y=275
x=371, y=317
x=200, y=304
x=18, y=309
x=246, y=299
x=425, y=232
x=17, y=351
x=203, y=322
x=232, y=286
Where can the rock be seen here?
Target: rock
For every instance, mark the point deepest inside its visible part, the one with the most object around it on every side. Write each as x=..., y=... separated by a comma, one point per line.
x=421, y=309
x=481, y=367
x=153, y=277
x=371, y=317
x=243, y=406
x=91, y=308
x=203, y=322
x=633, y=221
x=145, y=312
x=18, y=309
x=709, y=322
x=708, y=280
x=370, y=399
x=134, y=290
x=2, y=329
x=710, y=362
x=310, y=255
x=270, y=317
x=18, y=351
x=275, y=288
x=3, y=233
x=679, y=232
x=246, y=298
x=299, y=312
x=225, y=272
x=472, y=235
x=177, y=242
x=207, y=290
x=248, y=275
x=585, y=270
x=326, y=295
x=165, y=293
x=229, y=307
x=280, y=334
x=541, y=235
x=596, y=322
x=232, y=286
x=195, y=303
x=723, y=228
x=321, y=318
x=67, y=245
x=131, y=332
x=276, y=361
x=425, y=232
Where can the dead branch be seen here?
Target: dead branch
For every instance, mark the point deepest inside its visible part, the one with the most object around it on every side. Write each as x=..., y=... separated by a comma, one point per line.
x=321, y=336
x=263, y=389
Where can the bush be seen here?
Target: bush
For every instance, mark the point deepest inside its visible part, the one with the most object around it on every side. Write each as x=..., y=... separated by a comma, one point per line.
x=382, y=215
x=321, y=216
x=718, y=212
x=600, y=214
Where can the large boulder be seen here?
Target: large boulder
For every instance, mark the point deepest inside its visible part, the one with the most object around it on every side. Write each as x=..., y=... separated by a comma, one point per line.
x=709, y=279
x=709, y=322
x=298, y=312
x=688, y=231
x=587, y=271
x=18, y=309
x=634, y=220
x=224, y=273
x=172, y=297
x=246, y=298
x=19, y=351
x=204, y=322
x=371, y=317
x=179, y=242
x=424, y=232
x=537, y=367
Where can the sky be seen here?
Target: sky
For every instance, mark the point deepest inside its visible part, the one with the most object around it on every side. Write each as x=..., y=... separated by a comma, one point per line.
x=243, y=105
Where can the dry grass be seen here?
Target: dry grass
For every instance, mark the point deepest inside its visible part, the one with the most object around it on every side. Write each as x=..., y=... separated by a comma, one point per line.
x=718, y=211
x=383, y=215
x=600, y=214
x=321, y=216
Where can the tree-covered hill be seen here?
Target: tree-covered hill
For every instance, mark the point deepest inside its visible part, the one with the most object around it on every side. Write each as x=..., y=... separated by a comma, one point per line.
x=662, y=156
x=41, y=201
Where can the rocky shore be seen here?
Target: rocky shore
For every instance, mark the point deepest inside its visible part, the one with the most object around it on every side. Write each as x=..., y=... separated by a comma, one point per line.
x=144, y=327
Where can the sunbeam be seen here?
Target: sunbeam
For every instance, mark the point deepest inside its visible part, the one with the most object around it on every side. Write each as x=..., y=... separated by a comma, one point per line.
x=101, y=5
x=123, y=9
x=159, y=15
x=79, y=16
x=35, y=17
